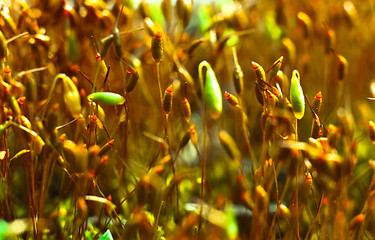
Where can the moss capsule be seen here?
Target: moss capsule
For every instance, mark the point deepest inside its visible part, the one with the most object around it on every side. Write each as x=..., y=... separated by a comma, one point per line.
x=260, y=74
x=108, y=98
x=229, y=145
x=342, y=68
x=102, y=66
x=117, y=42
x=105, y=43
x=297, y=98
x=316, y=129
x=185, y=139
x=157, y=47
x=317, y=103
x=306, y=23
x=193, y=135
x=166, y=7
x=186, y=109
x=284, y=212
x=184, y=11
x=133, y=79
x=276, y=67
x=261, y=199
x=237, y=74
x=167, y=100
x=232, y=100
x=371, y=126
x=211, y=91
x=71, y=96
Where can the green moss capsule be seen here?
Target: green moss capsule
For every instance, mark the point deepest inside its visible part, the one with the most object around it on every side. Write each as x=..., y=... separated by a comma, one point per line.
x=108, y=98
x=211, y=91
x=157, y=47
x=117, y=42
x=105, y=43
x=297, y=98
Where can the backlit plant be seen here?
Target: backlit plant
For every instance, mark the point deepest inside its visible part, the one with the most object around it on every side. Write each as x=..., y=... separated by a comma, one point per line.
x=184, y=120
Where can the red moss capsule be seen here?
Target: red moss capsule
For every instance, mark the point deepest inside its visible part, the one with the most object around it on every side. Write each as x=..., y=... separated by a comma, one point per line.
x=342, y=68
x=317, y=128
x=186, y=109
x=102, y=163
x=260, y=74
x=356, y=222
x=133, y=79
x=102, y=66
x=317, y=102
x=167, y=100
x=193, y=135
x=157, y=47
x=231, y=99
x=106, y=147
x=307, y=182
x=329, y=40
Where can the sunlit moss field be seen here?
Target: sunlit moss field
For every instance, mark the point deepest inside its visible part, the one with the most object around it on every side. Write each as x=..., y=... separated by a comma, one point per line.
x=187, y=120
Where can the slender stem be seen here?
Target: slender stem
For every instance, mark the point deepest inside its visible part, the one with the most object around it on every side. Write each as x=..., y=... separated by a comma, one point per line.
x=204, y=144
x=122, y=33
x=165, y=120
x=297, y=186
x=17, y=36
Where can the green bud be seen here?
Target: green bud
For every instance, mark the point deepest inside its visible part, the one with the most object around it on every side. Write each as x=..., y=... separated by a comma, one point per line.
x=297, y=98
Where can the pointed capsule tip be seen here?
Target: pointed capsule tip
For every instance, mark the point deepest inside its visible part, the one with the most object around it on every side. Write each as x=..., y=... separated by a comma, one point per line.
x=169, y=89
x=158, y=34
x=318, y=95
x=255, y=65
